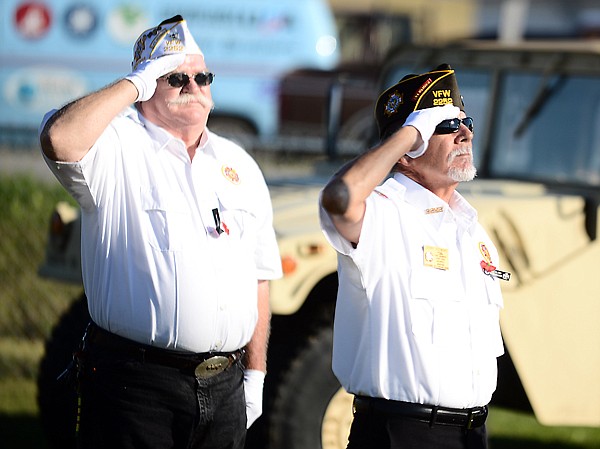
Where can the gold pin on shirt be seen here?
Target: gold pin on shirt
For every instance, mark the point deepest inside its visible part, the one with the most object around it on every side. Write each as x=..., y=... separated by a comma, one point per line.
x=435, y=257
x=434, y=210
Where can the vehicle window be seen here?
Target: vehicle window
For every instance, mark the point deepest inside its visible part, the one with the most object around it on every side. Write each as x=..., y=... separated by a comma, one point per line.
x=475, y=88
x=559, y=141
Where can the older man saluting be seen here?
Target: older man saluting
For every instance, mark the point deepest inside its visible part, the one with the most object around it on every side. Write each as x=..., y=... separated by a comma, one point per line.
x=416, y=332
x=177, y=250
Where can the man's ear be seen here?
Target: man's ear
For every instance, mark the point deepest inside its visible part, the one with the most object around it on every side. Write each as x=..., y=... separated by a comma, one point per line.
x=405, y=161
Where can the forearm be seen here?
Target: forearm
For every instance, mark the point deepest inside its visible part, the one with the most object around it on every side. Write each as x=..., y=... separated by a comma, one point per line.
x=371, y=168
x=344, y=197
x=72, y=131
x=256, y=349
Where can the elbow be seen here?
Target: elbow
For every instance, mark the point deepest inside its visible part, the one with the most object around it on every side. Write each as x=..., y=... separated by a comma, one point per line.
x=57, y=143
x=47, y=144
x=50, y=140
x=335, y=197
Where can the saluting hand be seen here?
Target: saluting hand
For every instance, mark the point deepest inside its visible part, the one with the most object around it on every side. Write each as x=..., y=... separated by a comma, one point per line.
x=425, y=121
x=145, y=75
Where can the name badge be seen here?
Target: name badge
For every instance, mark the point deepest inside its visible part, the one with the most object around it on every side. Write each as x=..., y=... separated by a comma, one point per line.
x=435, y=257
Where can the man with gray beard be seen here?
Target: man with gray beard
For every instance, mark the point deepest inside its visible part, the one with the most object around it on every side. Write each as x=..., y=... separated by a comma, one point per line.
x=178, y=247
x=416, y=332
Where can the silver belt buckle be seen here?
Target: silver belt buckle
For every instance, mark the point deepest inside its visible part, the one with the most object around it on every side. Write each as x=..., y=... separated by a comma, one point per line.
x=211, y=367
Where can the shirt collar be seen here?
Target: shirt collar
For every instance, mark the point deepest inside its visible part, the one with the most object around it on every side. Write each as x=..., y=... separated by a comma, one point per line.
x=164, y=139
x=436, y=209
x=159, y=135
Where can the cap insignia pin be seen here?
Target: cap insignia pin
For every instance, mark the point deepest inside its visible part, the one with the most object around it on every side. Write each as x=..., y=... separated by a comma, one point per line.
x=394, y=101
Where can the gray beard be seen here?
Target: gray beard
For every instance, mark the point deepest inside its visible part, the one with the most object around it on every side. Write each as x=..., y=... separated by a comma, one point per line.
x=462, y=174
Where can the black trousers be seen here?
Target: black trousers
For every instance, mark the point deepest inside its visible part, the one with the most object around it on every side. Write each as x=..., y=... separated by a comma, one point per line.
x=130, y=404
x=375, y=430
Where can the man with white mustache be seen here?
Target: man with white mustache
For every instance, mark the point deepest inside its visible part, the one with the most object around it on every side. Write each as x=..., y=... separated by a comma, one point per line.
x=178, y=247
x=416, y=332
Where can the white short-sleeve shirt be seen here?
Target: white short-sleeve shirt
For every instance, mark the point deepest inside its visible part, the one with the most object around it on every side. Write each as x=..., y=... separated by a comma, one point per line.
x=417, y=319
x=155, y=267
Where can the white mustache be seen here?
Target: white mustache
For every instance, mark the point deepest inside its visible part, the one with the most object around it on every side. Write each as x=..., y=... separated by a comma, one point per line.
x=458, y=152
x=187, y=98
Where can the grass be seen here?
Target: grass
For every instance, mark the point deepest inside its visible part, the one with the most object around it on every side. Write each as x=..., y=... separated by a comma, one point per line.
x=29, y=305
x=19, y=357
x=19, y=426
x=509, y=429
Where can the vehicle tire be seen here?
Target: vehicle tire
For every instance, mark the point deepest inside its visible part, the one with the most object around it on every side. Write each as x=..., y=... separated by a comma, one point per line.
x=359, y=129
x=310, y=409
x=57, y=401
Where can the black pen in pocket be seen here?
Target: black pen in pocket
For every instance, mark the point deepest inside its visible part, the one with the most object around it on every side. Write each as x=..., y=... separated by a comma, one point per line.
x=217, y=218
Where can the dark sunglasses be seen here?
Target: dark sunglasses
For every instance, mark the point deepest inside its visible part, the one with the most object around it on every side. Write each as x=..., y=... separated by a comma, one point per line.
x=453, y=125
x=183, y=79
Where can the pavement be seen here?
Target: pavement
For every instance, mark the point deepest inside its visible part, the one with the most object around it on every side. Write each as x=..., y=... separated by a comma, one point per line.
x=24, y=162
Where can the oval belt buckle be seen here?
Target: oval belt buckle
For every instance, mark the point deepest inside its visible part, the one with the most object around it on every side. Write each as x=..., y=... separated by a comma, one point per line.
x=211, y=367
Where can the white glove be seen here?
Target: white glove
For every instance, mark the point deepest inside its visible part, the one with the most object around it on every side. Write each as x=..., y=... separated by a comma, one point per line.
x=425, y=121
x=254, y=381
x=145, y=75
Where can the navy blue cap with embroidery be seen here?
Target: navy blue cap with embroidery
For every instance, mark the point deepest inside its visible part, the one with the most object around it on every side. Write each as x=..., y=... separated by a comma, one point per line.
x=413, y=92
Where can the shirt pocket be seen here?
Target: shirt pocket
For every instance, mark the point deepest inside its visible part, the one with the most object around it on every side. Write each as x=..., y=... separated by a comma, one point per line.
x=437, y=307
x=167, y=220
x=237, y=245
x=237, y=218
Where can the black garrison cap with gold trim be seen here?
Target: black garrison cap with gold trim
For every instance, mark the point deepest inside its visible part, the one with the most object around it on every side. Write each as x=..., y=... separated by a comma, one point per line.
x=414, y=92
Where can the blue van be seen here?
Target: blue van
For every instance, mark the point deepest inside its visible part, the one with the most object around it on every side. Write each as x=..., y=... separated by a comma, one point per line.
x=55, y=51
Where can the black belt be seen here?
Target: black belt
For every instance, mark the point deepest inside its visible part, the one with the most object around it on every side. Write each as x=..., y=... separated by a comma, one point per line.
x=203, y=365
x=467, y=418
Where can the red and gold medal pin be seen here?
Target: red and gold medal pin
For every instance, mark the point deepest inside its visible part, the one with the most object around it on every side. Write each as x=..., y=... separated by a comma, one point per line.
x=488, y=268
x=230, y=174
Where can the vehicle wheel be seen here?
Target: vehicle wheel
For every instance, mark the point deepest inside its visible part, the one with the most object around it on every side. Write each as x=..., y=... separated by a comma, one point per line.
x=359, y=129
x=237, y=130
x=57, y=401
x=310, y=409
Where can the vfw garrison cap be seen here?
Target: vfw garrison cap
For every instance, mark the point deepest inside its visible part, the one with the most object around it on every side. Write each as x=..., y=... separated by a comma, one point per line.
x=170, y=37
x=414, y=92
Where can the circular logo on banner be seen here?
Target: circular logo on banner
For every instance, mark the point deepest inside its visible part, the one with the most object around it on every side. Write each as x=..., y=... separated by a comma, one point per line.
x=32, y=20
x=81, y=20
x=38, y=89
x=126, y=22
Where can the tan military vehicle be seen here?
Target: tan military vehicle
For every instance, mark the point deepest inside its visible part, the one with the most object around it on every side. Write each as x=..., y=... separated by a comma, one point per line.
x=537, y=145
